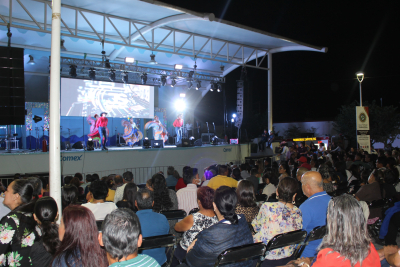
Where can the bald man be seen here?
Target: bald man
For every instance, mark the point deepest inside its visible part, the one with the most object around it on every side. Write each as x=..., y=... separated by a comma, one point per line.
x=314, y=208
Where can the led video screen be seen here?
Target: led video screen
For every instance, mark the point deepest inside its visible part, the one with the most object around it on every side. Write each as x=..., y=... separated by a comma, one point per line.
x=86, y=98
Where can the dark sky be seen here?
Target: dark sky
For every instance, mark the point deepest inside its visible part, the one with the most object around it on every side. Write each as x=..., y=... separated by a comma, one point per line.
x=309, y=86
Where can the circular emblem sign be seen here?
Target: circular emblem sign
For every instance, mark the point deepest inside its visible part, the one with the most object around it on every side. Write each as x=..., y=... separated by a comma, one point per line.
x=363, y=117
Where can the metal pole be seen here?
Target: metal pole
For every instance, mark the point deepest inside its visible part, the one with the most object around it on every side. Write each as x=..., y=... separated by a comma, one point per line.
x=270, y=122
x=54, y=132
x=360, y=95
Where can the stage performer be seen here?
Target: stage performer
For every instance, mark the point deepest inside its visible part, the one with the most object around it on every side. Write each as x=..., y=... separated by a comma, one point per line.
x=178, y=123
x=159, y=131
x=94, y=131
x=101, y=123
x=132, y=134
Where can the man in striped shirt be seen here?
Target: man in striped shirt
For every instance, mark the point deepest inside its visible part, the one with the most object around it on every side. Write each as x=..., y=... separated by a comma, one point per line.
x=187, y=197
x=121, y=236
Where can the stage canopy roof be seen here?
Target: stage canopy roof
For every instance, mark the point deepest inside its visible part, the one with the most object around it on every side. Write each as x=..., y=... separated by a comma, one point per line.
x=133, y=28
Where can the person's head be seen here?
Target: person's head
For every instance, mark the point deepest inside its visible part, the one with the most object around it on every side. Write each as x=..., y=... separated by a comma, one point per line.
x=103, y=114
x=130, y=191
x=96, y=116
x=223, y=170
x=321, y=145
x=284, y=168
x=245, y=194
x=19, y=195
x=270, y=176
x=144, y=199
x=311, y=183
x=170, y=170
x=326, y=172
x=381, y=162
x=121, y=235
x=176, y=174
x=79, y=175
x=128, y=177
x=46, y=214
x=347, y=231
x=236, y=174
x=88, y=178
x=99, y=190
x=355, y=170
x=67, y=179
x=376, y=176
x=265, y=131
x=287, y=189
x=225, y=201
x=37, y=186
x=118, y=180
x=189, y=177
x=149, y=184
x=205, y=197
x=254, y=172
x=358, y=156
x=78, y=231
x=95, y=177
x=300, y=172
x=69, y=195
x=75, y=181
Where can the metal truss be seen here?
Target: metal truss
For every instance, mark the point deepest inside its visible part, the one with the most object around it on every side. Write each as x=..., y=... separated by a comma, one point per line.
x=101, y=65
x=130, y=35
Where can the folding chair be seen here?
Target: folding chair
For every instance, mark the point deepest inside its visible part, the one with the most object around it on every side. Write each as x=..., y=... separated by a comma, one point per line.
x=242, y=253
x=317, y=233
x=174, y=214
x=194, y=210
x=159, y=241
x=286, y=239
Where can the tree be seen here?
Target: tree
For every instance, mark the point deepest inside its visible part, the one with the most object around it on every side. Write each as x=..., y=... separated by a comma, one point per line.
x=292, y=132
x=384, y=122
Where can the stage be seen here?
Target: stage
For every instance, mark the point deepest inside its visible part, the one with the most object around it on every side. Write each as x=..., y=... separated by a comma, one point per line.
x=142, y=162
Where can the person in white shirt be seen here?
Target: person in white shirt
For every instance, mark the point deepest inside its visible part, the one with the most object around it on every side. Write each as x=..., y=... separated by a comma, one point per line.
x=187, y=196
x=243, y=171
x=98, y=191
x=189, y=128
x=271, y=179
x=119, y=192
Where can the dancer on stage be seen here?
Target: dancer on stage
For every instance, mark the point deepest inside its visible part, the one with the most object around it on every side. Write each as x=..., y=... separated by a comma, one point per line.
x=159, y=131
x=178, y=123
x=94, y=131
x=132, y=134
x=101, y=123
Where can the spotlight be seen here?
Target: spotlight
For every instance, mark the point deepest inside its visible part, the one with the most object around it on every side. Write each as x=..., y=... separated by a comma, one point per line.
x=62, y=47
x=92, y=74
x=178, y=66
x=219, y=88
x=107, y=63
x=173, y=83
x=198, y=85
x=90, y=145
x=72, y=71
x=31, y=61
x=180, y=105
x=129, y=60
x=191, y=73
x=163, y=80
x=232, y=120
x=212, y=86
x=190, y=84
x=144, y=78
x=124, y=77
x=146, y=143
x=152, y=59
x=233, y=115
x=182, y=95
x=111, y=75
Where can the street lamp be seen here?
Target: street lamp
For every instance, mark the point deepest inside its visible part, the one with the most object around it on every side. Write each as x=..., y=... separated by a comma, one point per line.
x=360, y=78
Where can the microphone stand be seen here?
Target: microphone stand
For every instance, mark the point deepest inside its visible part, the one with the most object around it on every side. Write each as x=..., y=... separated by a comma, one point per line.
x=208, y=133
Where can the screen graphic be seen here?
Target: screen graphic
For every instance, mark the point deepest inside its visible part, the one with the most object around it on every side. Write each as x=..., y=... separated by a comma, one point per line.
x=86, y=98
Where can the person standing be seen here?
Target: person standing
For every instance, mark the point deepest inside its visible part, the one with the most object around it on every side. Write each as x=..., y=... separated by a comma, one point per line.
x=101, y=123
x=178, y=123
x=198, y=129
x=270, y=138
x=189, y=129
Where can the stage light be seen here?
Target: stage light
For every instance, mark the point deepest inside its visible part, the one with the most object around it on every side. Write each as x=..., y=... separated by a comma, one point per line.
x=62, y=47
x=232, y=120
x=182, y=95
x=107, y=63
x=233, y=115
x=72, y=71
x=163, y=80
x=146, y=143
x=191, y=73
x=180, y=105
x=90, y=145
x=152, y=59
x=219, y=88
x=178, y=66
x=129, y=60
x=124, y=77
x=143, y=77
x=190, y=84
x=173, y=82
x=31, y=61
x=198, y=85
x=92, y=74
x=111, y=75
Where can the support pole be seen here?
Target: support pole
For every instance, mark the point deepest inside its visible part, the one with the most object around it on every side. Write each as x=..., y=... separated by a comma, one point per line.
x=54, y=132
x=361, y=95
x=270, y=122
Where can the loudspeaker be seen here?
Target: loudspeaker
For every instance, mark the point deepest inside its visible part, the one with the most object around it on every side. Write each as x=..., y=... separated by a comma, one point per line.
x=206, y=137
x=184, y=143
x=157, y=143
x=254, y=148
x=12, y=86
x=198, y=142
x=66, y=145
x=170, y=140
x=77, y=145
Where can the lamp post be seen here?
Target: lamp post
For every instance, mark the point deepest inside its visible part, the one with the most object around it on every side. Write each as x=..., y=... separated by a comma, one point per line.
x=360, y=78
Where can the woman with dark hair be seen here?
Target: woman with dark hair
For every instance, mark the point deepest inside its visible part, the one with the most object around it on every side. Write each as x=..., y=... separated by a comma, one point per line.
x=196, y=222
x=164, y=198
x=75, y=181
x=284, y=170
x=246, y=200
x=276, y=218
x=347, y=242
x=231, y=231
x=129, y=197
x=271, y=179
x=18, y=231
x=327, y=175
x=69, y=195
x=79, y=240
x=46, y=214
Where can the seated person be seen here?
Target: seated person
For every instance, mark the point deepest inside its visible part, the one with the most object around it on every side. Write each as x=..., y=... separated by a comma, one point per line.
x=276, y=218
x=232, y=230
x=98, y=191
x=372, y=191
x=187, y=196
x=152, y=223
x=246, y=200
x=121, y=238
x=222, y=178
x=270, y=178
x=347, y=242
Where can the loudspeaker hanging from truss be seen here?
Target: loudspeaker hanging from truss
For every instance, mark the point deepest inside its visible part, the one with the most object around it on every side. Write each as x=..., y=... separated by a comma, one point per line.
x=239, y=104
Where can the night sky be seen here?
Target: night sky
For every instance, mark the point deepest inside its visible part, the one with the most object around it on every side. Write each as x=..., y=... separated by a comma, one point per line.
x=311, y=86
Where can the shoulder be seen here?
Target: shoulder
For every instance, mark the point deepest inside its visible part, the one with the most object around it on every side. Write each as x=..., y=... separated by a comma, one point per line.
x=327, y=255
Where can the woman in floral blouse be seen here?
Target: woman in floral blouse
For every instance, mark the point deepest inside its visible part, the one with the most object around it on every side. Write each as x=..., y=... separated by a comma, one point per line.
x=279, y=217
x=18, y=229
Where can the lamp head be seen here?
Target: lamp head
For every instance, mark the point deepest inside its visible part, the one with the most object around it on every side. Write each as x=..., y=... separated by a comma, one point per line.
x=360, y=76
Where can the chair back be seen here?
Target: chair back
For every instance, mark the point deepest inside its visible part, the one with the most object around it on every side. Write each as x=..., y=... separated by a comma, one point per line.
x=317, y=233
x=158, y=241
x=99, y=225
x=174, y=214
x=194, y=210
x=241, y=253
x=287, y=239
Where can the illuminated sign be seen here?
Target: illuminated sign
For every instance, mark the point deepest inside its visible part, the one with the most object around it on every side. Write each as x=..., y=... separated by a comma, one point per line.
x=305, y=139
